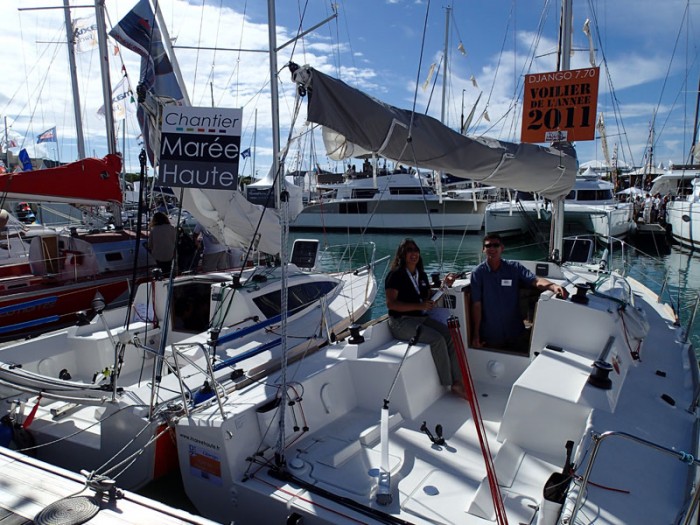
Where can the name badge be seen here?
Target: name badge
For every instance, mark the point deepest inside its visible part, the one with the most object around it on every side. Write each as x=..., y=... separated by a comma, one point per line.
x=506, y=282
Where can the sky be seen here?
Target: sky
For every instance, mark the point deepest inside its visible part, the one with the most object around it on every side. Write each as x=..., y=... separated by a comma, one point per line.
x=647, y=53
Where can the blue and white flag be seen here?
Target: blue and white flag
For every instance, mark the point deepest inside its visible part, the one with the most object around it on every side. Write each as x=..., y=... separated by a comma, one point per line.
x=245, y=153
x=139, y=32
x=25, y=160
x=47, y=136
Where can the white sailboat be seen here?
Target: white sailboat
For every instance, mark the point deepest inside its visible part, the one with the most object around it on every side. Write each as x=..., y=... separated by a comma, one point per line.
x=97, y=396
x=597, y=422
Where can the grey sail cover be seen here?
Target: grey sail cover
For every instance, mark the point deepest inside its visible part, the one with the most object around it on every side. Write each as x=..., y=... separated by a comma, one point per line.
x=356, y=124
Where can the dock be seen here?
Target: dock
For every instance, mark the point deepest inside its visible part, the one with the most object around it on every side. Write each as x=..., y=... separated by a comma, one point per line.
x=34, y=492
x=652, y=238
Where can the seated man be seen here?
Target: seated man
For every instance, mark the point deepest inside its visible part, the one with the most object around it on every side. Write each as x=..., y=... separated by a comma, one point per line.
x=495, y=283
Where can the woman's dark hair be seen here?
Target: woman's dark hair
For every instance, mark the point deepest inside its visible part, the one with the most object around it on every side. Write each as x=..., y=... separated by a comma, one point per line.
x=159, y=218
x=399, y=260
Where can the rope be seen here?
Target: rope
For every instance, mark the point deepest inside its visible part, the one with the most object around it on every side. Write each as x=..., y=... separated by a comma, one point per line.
x=497, y=498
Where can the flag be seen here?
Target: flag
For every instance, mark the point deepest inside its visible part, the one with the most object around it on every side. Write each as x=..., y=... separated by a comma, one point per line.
x=461, y=49
x=245, y=153
x=25, y=160
x=123, y=102
x=139, y=32
x=85, y=34
x=47, y=136
x=473, y=80
x=430, y=75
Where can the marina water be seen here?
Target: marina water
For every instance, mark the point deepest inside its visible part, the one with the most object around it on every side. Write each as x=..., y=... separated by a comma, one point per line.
x=676, y=272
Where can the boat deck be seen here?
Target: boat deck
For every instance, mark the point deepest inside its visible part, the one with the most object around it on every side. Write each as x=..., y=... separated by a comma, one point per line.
x=30, y=487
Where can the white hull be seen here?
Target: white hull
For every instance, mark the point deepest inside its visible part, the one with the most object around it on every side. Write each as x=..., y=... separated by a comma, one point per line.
x=450, y=215
x=80, y=425
x=531, y=405
x=684, y=218
x=394, y=202
x=604, y=221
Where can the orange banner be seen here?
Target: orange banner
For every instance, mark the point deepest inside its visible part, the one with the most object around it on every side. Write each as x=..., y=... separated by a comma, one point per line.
x=560, y=106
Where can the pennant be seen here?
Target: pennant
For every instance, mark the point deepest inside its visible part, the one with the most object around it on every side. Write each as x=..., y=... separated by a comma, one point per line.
x=473, y=81
x=139, y=32
x=461, y=49
x=123, y=102
x=85, y=34
x=25, y=160
x=591, y=49
x=245, y=153
x=47, y=136
x=430, y=76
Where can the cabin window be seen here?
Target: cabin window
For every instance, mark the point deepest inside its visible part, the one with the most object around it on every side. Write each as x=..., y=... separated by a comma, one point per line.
x=587, y=195
x=571, y=196
x=114, y=256
x=353, y=208
x=527, y=196
x=411, y=191
x=299, y=296
x=364, y=194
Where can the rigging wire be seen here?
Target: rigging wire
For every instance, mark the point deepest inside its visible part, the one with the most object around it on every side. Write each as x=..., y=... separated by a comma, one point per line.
x=617, y=111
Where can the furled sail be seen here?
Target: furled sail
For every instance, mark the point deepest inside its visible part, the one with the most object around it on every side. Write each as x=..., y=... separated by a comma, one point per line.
x=355, y=124
x=232, y=219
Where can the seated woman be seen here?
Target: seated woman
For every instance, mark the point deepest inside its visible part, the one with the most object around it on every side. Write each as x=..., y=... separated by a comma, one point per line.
x=408, y=300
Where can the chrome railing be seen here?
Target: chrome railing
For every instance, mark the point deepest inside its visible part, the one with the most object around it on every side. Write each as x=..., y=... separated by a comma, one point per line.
x=598, y=440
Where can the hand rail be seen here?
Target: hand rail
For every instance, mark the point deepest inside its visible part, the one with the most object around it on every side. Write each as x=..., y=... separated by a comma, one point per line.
x=598, y=440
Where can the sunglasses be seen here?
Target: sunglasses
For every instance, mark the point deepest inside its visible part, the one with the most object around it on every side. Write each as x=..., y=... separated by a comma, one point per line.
x=492, y=245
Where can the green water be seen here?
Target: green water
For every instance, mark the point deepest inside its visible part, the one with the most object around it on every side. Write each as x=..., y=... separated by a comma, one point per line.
x=679, y=269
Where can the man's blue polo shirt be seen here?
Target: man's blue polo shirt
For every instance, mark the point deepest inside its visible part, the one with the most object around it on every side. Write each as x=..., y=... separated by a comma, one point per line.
x=497, y=291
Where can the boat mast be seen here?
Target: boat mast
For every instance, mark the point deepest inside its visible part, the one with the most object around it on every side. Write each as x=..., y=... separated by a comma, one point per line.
x=557, y=241
x=104, y=70
x=443, y=109
x=694, y=146
x=74, y=80
x=255, y=141
x=283, y=207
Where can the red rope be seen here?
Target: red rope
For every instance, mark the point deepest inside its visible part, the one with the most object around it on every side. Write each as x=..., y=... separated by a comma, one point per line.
x=32, y=414
x=496, y=497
